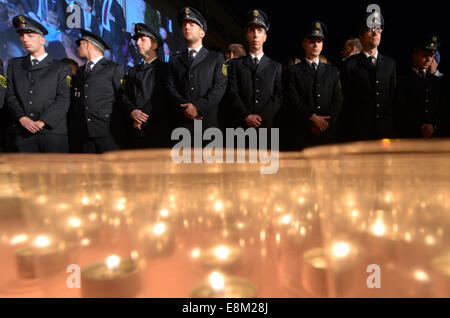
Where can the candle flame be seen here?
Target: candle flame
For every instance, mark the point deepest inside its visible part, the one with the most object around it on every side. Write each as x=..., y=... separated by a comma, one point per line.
x=159, y=229
x=164, y=213
x=21, y=238
x=85, y=200
x=195, y=253
x=113, y=261
x=74, y=222
x=286, y=219
x=379, y=228
x=42, y=241
x=421, y=276
x=217, y=281
x=218, y=206
x=222, y=252
x=341, y=249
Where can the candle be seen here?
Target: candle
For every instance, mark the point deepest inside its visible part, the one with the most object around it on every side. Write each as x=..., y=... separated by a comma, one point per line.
x=77, y=229
x=51, y=257
x=221, y=286
x=314, y=271
x=157, y=240
x=222, y=256
x=113, y=278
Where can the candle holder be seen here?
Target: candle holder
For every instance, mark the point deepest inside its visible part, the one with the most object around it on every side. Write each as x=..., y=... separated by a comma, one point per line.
x=113, y=278
x=222, y=286
x=314, y=276
x=45, y=256
x=376, y=195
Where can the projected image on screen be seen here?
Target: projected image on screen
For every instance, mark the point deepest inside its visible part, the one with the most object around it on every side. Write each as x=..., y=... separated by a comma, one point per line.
x=113, y=20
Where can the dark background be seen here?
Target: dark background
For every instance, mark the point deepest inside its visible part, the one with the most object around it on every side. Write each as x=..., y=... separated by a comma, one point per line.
x=404, y=22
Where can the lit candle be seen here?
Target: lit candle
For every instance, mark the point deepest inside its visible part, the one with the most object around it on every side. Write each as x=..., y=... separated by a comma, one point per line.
x=222, y=256
x=222, y=286
x=44, y=252
x=157, y=240
x=81, y=230
x=314, y=271
x=113, y=278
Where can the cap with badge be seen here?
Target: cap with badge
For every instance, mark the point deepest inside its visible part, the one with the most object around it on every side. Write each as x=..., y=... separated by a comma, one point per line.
x=428, y=43
x=258, y=17
x=317, y=29
x=191, y=14
x=141, y=29
x=93, y=38
x=24, y=24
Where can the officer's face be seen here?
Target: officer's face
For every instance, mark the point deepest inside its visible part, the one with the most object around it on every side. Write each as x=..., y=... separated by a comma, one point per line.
x=256, y=37
x=370, y=38
x=192, y=32
x=422, y=59
x=145, y=44
x=313, y=47
x=82, y=49
x=32, y=42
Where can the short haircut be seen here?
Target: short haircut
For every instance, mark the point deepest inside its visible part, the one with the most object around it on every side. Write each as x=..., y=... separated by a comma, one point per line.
x=237, y=49
x=356, y=43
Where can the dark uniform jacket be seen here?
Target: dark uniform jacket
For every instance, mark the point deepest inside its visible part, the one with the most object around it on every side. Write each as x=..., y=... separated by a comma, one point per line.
x=256, y=90
x=309, y=92
x=95, y=112
x=203, y=84
x=40, y=93
x=418, y=103
x=368, y=98
x=146, y=90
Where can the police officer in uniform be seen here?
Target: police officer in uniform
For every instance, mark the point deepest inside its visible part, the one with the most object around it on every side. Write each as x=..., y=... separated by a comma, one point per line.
x=38, y=93
x=314, y=93
x=197, y=77
x=96, y=118
x=368, y=83
x=255, y=81
x=145, y=93
x=419, y=94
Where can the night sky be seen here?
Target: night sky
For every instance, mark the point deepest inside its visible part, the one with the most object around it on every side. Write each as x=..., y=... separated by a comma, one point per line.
x=404, y=21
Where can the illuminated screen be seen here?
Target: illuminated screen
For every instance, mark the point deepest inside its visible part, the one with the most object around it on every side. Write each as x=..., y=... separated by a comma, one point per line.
x=113, y=20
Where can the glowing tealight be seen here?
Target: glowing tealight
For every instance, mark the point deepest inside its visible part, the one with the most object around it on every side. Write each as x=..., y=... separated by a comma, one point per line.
x=74, y=222
x=195, y=253
x=379, y=228
x=286, y=219
x=42, y=241
x=21, y=238
x=421, y=276
x=85, y=200
x=341, y=249
x=217, y=281
x=218, y=206
x=159, y=228
x=222, y=252
x=113, y=261
x=164, y=213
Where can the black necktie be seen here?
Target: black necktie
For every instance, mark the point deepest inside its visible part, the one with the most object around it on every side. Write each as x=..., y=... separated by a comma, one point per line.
x=88, y=67
x=34, y=62
x=314, y=66
x=422, y=73
x=373, y=60
x=256, y=61
x=192, y=56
